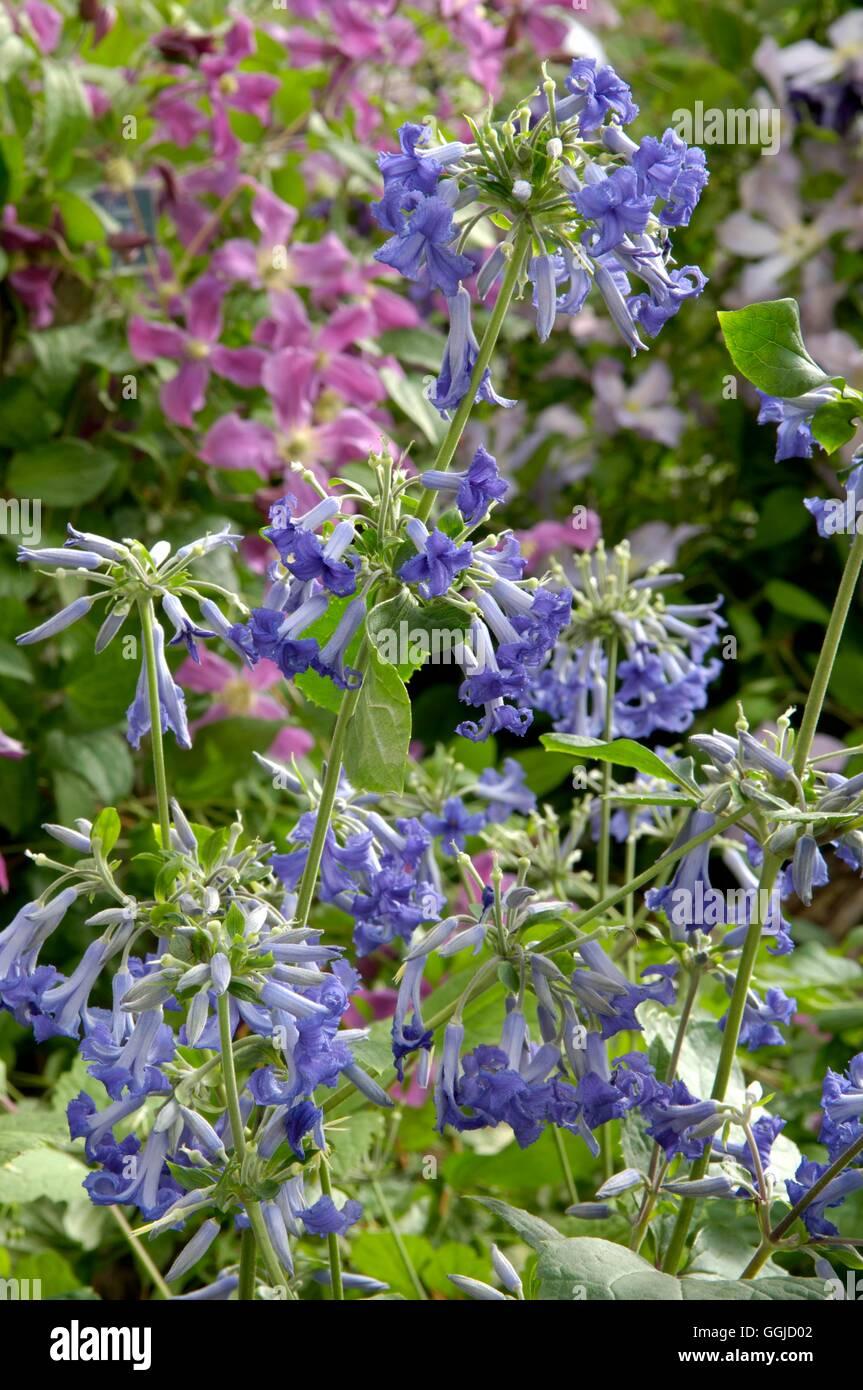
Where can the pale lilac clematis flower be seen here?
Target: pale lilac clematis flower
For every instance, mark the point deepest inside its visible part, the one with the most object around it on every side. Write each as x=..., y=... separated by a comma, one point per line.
x=198, y=350
x=642, y=407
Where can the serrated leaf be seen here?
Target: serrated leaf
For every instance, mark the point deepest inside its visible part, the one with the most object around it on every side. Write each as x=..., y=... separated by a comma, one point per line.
x=379, y=731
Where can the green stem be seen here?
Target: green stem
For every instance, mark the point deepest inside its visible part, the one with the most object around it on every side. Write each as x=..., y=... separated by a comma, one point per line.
x=232, y=1091
x=325, y=808
x=142, y=1255
x=404, y=1253
x=604, y=847
x=827, y=657
x=446, y=452
x=145, y=608
x=769, y=869
x=775, y=1236
x=332, y=1240
x=566, y=1166
x=248, y=1260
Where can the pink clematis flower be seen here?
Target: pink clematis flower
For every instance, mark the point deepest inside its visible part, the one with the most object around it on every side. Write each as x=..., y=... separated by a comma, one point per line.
x=197, y=349
x=240, y=259
x=235, y=443
x=311, y=359
x=580, y=531
x=241, y=693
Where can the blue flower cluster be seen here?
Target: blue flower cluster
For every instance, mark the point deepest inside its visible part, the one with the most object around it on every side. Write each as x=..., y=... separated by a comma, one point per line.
x=310, y=570
x=126, y=570
x=664, y=673
x=525, y=618
x=383, y=870
x=841, y=1126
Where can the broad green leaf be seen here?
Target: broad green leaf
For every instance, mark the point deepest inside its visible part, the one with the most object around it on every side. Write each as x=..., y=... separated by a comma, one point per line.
x=379, y=731
x=835, y=422
x=417, y=346
x=795, y=602
x=41, y=1173
x=765, y=343
x=62, y=474
x=533, y=1231
x=67, y=112
x=408, y=394
x=624, y=752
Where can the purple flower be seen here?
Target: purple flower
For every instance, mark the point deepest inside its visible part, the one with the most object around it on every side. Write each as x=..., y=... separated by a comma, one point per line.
x=459, y=358
x=407, y=168
x=476, y=487
x=454, y=825
x=506, y=792
x=833, y=1195
x=324, y=1218
x=671, y=170
x=794, y=417
x=595, y=93
x=172, y=701
x=438, y=562
x=424, y=239
x=760, y=1017
x=615, y=205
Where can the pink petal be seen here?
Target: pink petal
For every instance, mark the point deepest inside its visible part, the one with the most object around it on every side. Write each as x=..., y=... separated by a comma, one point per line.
x=317, y=263
x=274, y=218
x=148, y=340
x=11, y=747
x=240, y=39
x=354, y=379
x=346, y=325
x=204, y=309
x=46, y=23
x=186, y=393
x=392, y=310
x=263, y=676
x=242, y=366
x=286, y=378
x=351, y=436
x=237, y=260
x=210, y=674
x=236, y=443
x=288, y=741
x=255, y=91
x=4, y=875
x=287, y=324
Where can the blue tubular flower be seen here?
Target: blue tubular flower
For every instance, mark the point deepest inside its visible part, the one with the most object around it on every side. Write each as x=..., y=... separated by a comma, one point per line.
x=614, y=204
x=22, y=940
x=842, y=1103
x=410, y=1036
x=424, y=239
x=133, y=1063
x=673, y=1117
x=283, y=526
x=324, y=1218
x=491, y=686
x=409, y=169
x=506, y=792
x=454, y=825
x=794, y=418
x=459, y=359
x=172, y=701
x=653, y=310
x=61, y=559
x=272, y=634
x=611, y=281
x=543, y=276
x=59, y=622
x=808, y=868
x=331, y=661
x=476, y=487
x=185, y=630
x=830, y=516
x=596, y=92
x=607, y=992
x=683, y=899
x=760, y=1017
x=833, y=1195
x=151, y=1187
x=438, y=562
x=310, y=558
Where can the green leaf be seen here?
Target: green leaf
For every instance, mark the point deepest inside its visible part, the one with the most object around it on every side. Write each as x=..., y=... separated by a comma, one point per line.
x=62, y=474
x=834, y=423
x=376, y=747
x=410, y=398
x=42, y=1173
x=593, y=1269
x=417, y=346
x=624, y=752
x=795, y=603
x=533, y=1231
x=67, y=113
x=107, y=829
x=101, y=760
x=24, y=418
x=765, y=344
